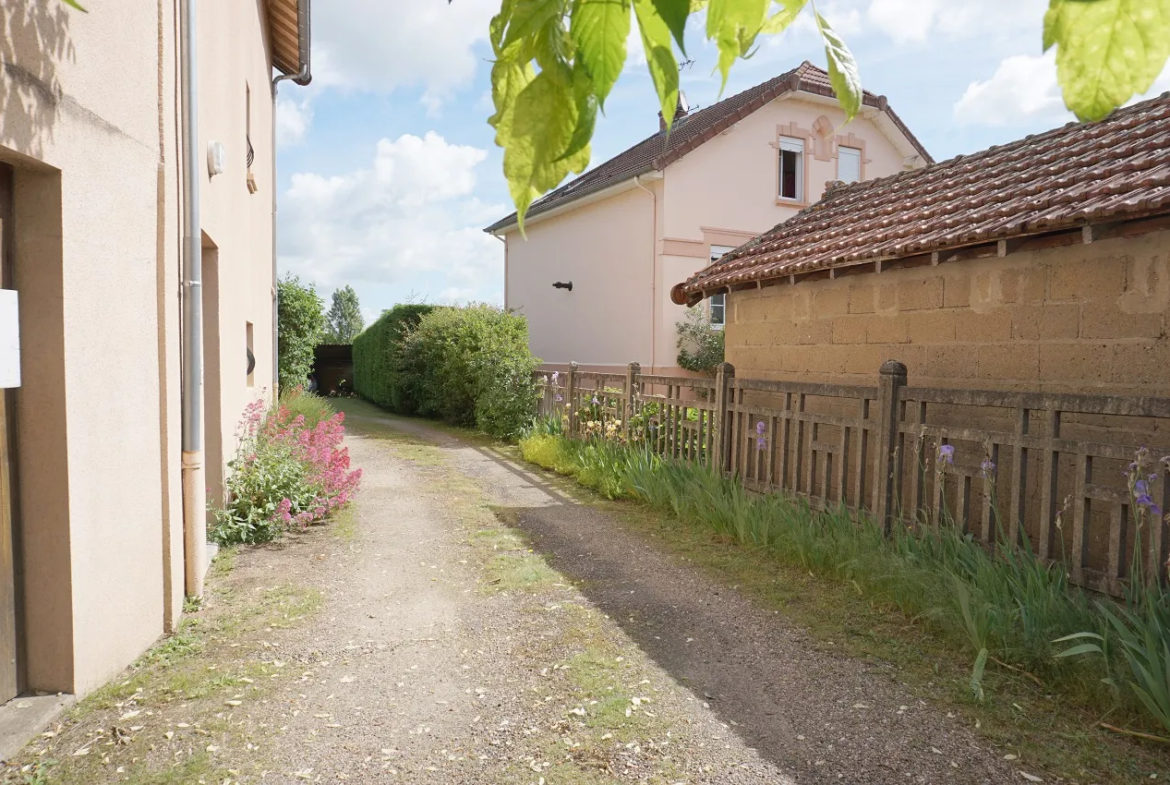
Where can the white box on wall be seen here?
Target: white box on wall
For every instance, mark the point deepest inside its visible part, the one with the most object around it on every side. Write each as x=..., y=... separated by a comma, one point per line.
x=9, y=339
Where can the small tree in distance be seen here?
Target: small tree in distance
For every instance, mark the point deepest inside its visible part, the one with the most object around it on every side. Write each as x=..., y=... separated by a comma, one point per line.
x=300, y=325
x=345, y=316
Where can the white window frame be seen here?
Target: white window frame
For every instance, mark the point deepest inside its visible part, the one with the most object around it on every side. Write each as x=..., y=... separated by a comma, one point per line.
x=843, y=153
x=718, y=301
x=790, y=144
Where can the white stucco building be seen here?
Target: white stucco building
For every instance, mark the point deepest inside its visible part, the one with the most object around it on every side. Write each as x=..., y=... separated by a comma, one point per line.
x=630, y=228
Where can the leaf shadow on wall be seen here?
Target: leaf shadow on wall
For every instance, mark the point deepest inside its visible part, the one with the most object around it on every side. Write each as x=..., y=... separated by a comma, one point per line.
x=33, y=41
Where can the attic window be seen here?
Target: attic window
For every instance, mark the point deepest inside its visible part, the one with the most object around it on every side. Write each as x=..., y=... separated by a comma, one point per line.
x=848, y=164
x=791, y=168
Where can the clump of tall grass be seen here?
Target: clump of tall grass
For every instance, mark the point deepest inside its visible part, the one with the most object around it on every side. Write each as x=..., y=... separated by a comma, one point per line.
x=314, y=408
x=597, y=464
x=1004, y=607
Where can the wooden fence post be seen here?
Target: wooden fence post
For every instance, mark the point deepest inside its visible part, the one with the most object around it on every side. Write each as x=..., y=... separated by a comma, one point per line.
x=724, y=374
x=891, y=380
x=632, y=372
x=571, y=398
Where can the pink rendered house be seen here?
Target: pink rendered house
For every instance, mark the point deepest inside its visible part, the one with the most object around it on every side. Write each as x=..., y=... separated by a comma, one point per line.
x=626, y=230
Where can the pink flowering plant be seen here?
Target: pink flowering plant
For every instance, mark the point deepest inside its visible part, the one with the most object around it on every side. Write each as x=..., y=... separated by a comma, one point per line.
x=290, y=470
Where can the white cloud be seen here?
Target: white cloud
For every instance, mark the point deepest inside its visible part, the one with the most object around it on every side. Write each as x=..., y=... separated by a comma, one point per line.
x=293, y=118
x=915, y=21
x=409, y=219
x=844, y=17
x=1022, y=90
x=379, y=46
x=433, y=103
x=635, y=52
x=903, y=20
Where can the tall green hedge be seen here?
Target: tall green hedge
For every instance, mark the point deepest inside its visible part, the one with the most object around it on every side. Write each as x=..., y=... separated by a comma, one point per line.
x=469, y=366
x=377, y=372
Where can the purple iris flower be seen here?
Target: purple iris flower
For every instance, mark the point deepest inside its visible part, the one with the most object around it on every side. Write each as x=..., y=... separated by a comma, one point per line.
x=1145, y=501
x=946, y=453
x=760, y=428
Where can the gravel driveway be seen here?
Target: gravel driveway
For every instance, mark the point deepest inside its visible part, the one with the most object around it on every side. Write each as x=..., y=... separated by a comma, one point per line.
x=743, y=687
x=446, y=652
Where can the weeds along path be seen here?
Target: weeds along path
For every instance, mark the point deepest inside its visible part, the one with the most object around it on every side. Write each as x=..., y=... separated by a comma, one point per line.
x=812, y=715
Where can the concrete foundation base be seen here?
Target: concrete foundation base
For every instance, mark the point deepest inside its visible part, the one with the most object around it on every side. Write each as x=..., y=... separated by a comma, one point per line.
x=21, y=719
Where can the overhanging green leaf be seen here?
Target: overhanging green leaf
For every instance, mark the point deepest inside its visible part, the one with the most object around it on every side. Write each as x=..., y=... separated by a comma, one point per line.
x=1107, y=51
x=733, y=25
x=659, y=57
x=508, y=80
x=538, y=136
x=586, y=113
x=779, y=21
x=75, y=4
x=843, y=73
x=600, y=28
x=675, y=13
x=529, y=16
x=499, y=26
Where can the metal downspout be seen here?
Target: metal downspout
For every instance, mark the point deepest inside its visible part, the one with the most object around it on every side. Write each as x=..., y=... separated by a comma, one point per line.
x=302, y=78
x=194, y=495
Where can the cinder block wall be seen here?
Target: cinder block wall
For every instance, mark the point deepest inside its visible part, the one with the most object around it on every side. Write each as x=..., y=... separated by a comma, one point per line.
x=1079, y=318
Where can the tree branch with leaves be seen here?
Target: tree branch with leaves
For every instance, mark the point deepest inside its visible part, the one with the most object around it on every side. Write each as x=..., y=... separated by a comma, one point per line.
x=556, y=61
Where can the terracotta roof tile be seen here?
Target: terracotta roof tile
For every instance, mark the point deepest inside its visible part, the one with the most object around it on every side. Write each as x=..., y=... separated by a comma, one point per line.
x=658, y=151
x=1065, y=178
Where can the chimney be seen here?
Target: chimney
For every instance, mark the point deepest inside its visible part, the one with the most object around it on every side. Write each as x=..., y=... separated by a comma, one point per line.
x=680, y=112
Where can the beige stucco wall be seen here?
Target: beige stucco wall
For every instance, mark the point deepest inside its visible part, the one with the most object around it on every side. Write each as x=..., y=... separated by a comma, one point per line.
x=722, y=193
x=1079, y=318
x=238, y=223
x=605, y=249
x=95, y=151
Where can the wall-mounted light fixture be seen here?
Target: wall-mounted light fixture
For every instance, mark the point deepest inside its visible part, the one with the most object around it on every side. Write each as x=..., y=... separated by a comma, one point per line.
x=560, y=285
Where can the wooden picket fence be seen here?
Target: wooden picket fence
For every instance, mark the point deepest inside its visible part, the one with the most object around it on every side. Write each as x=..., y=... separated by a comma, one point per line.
x=1004, y=466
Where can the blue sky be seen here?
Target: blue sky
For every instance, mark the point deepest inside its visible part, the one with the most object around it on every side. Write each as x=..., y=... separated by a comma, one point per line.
x=387, y=171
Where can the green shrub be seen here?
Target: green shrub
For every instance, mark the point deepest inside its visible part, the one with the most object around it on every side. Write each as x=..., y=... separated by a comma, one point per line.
x=381, y=373
x=300, y=327
x=469, y=366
